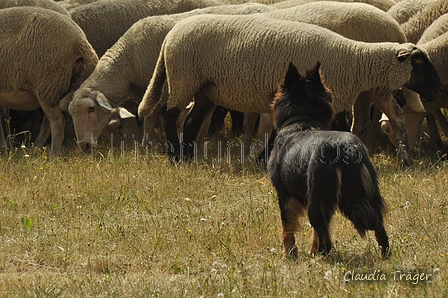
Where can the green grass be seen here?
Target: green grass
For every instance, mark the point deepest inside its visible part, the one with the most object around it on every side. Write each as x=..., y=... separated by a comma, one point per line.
x=127, y=226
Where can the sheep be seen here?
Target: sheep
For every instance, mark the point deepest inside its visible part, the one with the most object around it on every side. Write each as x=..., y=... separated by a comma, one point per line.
x=122, y=128
x=418, y=23
x=435, y=42
x=358, y=21
x=437, y=28
x=124, y=71
x=48, y=4
x=104, y=22
x=70, y=4
x=45, y=58
x=403, y=10
x=381, y=4
x=222, y=70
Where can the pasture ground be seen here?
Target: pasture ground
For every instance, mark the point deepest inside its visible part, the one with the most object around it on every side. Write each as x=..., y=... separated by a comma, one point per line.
x=137, y=226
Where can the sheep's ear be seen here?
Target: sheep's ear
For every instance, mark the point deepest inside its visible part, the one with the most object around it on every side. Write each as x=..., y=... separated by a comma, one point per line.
x=103, y=102
x=292, y=75
x=402, y=55
x=124, y=114
x=64, y=102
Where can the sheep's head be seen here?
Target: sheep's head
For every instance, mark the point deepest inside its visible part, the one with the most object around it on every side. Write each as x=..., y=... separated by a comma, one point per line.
x=413, y=127
x=90, y=111
x=424, y=78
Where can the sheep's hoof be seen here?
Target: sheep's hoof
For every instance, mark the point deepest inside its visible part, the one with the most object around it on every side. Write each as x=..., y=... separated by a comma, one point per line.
x=405, y=160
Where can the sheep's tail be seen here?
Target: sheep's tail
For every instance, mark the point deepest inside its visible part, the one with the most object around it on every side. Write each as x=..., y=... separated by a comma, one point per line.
x=153, y=94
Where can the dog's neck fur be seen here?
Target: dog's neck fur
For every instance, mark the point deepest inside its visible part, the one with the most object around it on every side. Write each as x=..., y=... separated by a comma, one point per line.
x=305, y=119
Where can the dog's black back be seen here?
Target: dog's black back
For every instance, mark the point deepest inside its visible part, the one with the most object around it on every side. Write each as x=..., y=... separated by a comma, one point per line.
x=318, y=170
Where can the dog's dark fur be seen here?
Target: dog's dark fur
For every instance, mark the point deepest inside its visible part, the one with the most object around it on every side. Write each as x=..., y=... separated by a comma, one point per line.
x=318, y=170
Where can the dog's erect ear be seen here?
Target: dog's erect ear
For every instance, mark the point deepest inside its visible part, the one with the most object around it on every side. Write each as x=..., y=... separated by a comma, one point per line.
x=313, y=73
x=292, y=75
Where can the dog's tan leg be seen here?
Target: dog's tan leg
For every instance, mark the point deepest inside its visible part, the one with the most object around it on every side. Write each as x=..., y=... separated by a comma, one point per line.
x=291, y=209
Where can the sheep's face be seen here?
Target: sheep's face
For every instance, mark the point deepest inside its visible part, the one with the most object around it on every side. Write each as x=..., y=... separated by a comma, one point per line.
x=90, y=115
x=413, y=127
x=424, y=77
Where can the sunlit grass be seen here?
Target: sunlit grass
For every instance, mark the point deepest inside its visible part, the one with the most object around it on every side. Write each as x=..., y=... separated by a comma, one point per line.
x=134, y=225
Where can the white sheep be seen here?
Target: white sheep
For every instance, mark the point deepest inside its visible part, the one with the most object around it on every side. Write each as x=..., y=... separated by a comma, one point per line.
x=417, y=24
x=48, y=4
x=403, y=10
x=45, y=57
x=104, y=22
x=358, y=21
x=237, y=62
x=437, y=28
x=70, y=4
x=124, y=71
x=381, y=4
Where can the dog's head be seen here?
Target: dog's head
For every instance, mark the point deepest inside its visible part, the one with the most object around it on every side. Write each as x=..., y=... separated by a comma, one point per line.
x=303, y=96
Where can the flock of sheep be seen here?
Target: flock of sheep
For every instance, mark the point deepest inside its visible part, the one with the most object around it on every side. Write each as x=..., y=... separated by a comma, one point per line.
x=102, y=62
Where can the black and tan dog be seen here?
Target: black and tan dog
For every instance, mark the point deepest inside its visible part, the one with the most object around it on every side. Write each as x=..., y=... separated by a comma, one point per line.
x=317, y=170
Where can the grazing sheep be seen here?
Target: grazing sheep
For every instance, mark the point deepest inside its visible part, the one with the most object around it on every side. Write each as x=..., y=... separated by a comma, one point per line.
x=384, y=5
x=435, y=42
x=417, y=24
x=45, y=57
x=124, y=71
x=221, y=68
x=48, y=4
x=122, y=128
x=104, y=22
x=403, y=10
x=318, y=171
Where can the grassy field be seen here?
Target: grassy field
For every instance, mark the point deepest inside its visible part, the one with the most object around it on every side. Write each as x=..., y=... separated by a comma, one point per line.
x=136, y=226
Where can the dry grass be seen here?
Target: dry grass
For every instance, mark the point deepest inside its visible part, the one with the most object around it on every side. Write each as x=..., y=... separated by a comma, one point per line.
x=103, y=226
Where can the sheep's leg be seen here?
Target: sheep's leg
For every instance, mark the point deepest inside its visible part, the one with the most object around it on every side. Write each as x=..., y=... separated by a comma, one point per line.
x=264, y=131
x=197, y=123
x=237, y=122
x=204, y=128
x=434, y=136
x=57, y=124
x=361, y=113
x=373, y=133
x=170, y=126
x=387, y=104
x=3, y=150
x=149, y=125
x=249, y=123
x=44, y=133
x=264, y=155
x=441, y=120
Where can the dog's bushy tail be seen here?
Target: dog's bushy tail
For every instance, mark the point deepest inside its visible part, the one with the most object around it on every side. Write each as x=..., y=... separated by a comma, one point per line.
x=361, y=200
